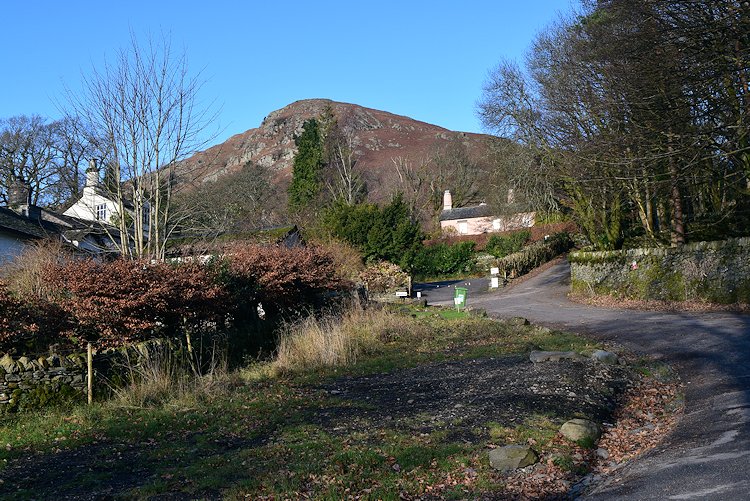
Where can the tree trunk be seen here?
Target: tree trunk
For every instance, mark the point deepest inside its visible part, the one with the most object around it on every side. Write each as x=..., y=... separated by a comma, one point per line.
x=678, y=221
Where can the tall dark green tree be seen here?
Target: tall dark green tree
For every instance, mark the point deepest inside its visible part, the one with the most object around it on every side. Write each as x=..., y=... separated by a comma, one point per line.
x=388, y=233
x=308, y=165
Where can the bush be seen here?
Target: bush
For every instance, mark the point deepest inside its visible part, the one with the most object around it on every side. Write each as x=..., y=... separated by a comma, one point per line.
x=383, y=277
x=25, y=274
x=534, y=255
x=17, y=322
x=381, y=234
x=347, y=260
x=278, y=277
x=124, y=301
x=443, y=259
x=501, y=246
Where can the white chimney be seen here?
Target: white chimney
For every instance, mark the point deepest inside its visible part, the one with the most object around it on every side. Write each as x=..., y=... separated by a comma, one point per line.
x=92, y=174
x=447, y=200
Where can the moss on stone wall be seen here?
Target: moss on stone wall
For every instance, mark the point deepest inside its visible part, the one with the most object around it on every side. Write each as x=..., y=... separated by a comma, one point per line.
x=716, y=272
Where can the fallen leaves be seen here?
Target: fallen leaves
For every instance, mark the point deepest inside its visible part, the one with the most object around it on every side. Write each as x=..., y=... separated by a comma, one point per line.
x=649, y=412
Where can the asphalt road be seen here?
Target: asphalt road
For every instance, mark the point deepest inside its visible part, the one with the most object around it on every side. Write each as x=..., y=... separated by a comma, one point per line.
x=708, y=454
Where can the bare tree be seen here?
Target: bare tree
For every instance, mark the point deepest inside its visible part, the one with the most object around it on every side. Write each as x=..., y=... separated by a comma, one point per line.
x=415, y=184
x=343, y=180
x=74, y=145
x=27, y=152
x=143, y=110
x=241, y=201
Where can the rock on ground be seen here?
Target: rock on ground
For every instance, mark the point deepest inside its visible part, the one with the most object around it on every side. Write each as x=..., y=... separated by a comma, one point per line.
x=580, y=429
x=512, y=457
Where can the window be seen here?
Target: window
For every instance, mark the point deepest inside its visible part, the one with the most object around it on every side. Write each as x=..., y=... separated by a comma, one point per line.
x=101, y=212
x=146, y=215
x=463, y=227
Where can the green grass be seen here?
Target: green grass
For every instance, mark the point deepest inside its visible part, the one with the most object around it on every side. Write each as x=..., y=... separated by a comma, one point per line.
x=263, y=436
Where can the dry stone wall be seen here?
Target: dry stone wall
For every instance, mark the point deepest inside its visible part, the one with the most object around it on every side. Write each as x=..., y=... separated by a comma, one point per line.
x=28, y=383
x=717, y=272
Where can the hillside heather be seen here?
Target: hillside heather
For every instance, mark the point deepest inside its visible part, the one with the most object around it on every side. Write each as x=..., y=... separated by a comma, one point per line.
x=379, y=137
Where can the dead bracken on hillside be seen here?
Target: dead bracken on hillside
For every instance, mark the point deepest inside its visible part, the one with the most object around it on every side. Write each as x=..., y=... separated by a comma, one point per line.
x=379, y=137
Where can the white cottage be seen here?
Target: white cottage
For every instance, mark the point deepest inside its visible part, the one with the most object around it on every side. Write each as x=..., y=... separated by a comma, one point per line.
x=98, y=204
x=22, y=223
x=479, y=219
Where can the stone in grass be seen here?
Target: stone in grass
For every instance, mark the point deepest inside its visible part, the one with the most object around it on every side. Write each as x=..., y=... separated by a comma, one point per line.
x=605, y=357
x=581, y=430
x=512, y=457
x=552, y=356
x=517, y=321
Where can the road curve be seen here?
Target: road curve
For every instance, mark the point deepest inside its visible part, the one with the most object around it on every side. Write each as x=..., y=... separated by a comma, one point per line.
x=708, y=454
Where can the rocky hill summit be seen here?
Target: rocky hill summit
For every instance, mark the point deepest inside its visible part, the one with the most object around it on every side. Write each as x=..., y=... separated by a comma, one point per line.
x=379, y=137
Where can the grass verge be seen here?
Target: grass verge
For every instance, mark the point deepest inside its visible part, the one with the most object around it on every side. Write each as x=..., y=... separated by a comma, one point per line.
x=262, y=433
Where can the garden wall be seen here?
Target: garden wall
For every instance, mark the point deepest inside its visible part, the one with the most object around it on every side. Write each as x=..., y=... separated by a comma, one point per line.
x=717, y=272
x=33, y=382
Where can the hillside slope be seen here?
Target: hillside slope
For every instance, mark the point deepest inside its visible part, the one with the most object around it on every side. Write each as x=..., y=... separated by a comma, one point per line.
x=379, y=137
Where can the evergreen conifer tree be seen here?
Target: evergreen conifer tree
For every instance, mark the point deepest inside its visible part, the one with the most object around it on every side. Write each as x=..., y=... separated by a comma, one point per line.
x=308, y=164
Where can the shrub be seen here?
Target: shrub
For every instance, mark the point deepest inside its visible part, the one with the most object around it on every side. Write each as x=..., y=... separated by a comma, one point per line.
x=279, y=277
x=347, y=260
x=17, y=323
x=25, y=274
x=444, y=259
x=534, y=255
x=381, y=234
x=125, y=301
x=501, y=246
x=383, y=277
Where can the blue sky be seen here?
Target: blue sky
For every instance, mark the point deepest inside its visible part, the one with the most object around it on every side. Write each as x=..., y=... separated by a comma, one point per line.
x=423, y=59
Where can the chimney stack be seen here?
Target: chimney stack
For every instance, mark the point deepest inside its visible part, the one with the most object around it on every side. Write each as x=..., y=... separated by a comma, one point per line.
x=92, y=174
x=19, y=199
x=447, y=200
x=19, y=194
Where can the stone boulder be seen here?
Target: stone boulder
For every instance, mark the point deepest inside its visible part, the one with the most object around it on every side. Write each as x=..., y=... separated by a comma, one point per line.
x=580, y=429
x=512, y=457
x=605, y=357
x=552, y=356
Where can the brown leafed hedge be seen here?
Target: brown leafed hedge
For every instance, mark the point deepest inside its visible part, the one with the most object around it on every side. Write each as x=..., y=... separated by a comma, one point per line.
x=280, y=277
x=124, y=301
x=16, y=317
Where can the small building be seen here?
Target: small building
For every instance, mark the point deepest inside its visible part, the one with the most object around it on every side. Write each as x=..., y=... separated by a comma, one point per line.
x=479, y=219
x=22, y=223
x=99, y=204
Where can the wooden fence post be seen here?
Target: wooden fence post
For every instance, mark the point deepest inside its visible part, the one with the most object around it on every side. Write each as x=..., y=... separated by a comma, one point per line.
x=90, y=364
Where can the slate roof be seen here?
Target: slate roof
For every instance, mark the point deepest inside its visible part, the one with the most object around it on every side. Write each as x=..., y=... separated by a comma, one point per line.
x=197, y=243
x=16, y=223
x=48, y=224
x=466, y=213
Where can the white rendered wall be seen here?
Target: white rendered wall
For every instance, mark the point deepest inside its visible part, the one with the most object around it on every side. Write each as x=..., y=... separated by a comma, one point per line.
x=85, y=207
x=10, y=247
x=479, y=225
